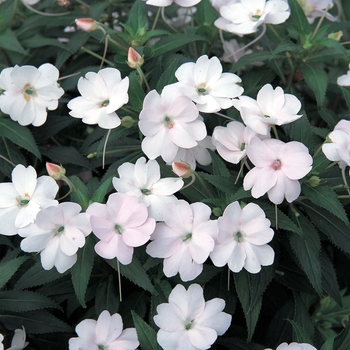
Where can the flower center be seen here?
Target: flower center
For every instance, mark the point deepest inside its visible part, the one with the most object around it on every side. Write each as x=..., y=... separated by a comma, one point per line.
x=145, y=191
x=189, y=325
x=59, y=230
x=257, y=15
x=24, y=201
x=202, y=89
x=28, y=92
x=276, y=164
x=105, y=103
x=187, y=237
x=242, y=146
x=239, y=237
x=118, y=229
x=169, y=123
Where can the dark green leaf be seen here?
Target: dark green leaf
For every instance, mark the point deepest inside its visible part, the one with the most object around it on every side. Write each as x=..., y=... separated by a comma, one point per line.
x=317, y=80
x=303, y=327
x=238, y=344
x=146, y=334
x=334, y=45
x=18, y=134
x=107, y=296
x=96, y=10
x=81, y=270
x=301, y=131
x=7, y=10
x=168, y=76
x=80, y=194
x=329, y=117
x=205, y=14
x=9, y=268
x=320, y=163
x=219, y=167
x=298, y=18
x=284, y=46
x=136, y=94
x=100, y=193
x=300, y=334
x=138, y=18
x=9, y=41
x=224, y=184
x=260, y=56
x=40, y=41
x=342, y=341
x=327, y=199
x=21, y=301
x=346, y=94
x=328, y=345
x=307, y=249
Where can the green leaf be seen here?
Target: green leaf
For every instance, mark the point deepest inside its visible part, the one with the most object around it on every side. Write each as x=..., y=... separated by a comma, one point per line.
x=7, y=10
x=146, y=334
x=319, y=164
x=329, y=117
x=36, y=276
x=326, y=55
x=138, y=18
x=38, y=40
x=9, y=268
x=107, y=297
x=326, y=198
x=244, y=291
x=9, y=41
x=100, y=193
x=337, y=232
x=135, y=273
x=284, y=46
x=307, y=250
x=168, y=76
x=342, y=341
x=81, y=194
x=21, y=301
x=301, y=131
x=303, y=328
x=346, y=94
x=205, y=14
x=328, y=344
x=224, y=184
x=219, y=167
x=81, y=270
x=136, y=94
x=96, y=10
x=238, y=344
x=165, y=45
x=298, y=18
x=260, y=56
x=317, y=80
x=334, y=45
x=36, y=322
x=299, y=332
x=18, y=134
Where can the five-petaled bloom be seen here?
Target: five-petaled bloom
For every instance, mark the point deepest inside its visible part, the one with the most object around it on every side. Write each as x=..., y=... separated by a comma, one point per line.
x=21, y=200
x=316, y=8
x=28, y=92
x=57, y=234
x=278, y=167
x=169, y=121
x=243, y=234
x=204, y=83
x=121, y=224
x=164, y=3
x=190, y=322
x=245, y=16
x=102, y=94
x=294, y=346
x=143, y=181
x=184, y=239
x=271, y=107
x=105, y=333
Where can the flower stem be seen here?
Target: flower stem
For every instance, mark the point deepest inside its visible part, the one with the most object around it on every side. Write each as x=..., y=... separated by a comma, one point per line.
x=320, y=22
x=344, y=179
x=96, y=55
x=119, y=282
x=193, y=179
x=156, y=18
x=7, y=160
x=104, y=148
x=104, y=52
x=209, y=193
x=47, y=14
x=142, y=76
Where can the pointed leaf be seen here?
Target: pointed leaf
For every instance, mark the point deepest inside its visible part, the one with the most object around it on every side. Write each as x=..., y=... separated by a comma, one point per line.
x=136, y=94
x=81, y=270
x=100, y=193
x=9, y=41
x=219, y=167
x=9, y=268
x=146, y=334
x=304, y=329
x=299, y=332
x=328, y=345
x=138, y=16
x=168, y=76
x=298, y=18
x=301, y=131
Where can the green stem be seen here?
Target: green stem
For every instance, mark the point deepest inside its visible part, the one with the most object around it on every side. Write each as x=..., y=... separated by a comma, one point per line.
x=320, y=22
x=116, y=43
x=96, y=55
x=193, y=179
x=143, y=78
x=157, y=17
x=206, y=188
x=7, y=160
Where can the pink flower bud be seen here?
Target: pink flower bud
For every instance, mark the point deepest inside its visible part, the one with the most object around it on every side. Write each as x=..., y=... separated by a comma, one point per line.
x=55, y=171
x=86, y=24
x=182, y=169
x=134, y=58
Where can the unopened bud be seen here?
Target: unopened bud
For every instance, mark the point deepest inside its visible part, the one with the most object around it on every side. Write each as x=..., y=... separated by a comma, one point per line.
x=55, y=171
x=134, y=58
x=335, y=36
x=182, y=169
x=217, y=211
x=128, y=122
x=314, y=181
x=86, y=24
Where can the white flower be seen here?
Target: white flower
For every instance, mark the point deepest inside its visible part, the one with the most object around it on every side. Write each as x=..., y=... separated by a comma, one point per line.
x=28, y=92
x=102, y=94
x=19, y=340
x=164, y=3
x=294, y=346
x=271, y=107
x=1, y=336
x=21, y=200
x=344, y=80
x=105, y=333
x=245, y=16
x=242, y=239
x=188, y=321
x=143, y=181
x=57, y=234
x=316, y=8
x=169, y=121
x=204, y=83
x=198, y=154
x=184, y=239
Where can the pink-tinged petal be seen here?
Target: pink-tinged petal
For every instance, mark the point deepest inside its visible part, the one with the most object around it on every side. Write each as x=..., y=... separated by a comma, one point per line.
x=182, y=110
x=98, y=210
x=277, y=192
x=169, y=317
x=202, y=337
x=124, y=253
x=200, y=247
x=251, y=212
x=257, y=257
x=258, y=231
x=137, y=236
x=64, y=262
x=270, y=100
x=131, y=213
x=222, y=253
x=190, y=302
x=238, y=258
x=296, y=166
x=49, y=254
x=179, y=216
x=260, y=180
x=115, y=248
x=210, y=104
x=174, y=340
x=292, y=190
x=263, y=153
x=108, y=327
x=24, y=180
x=127, y=340
x=71, y=239
x=157, y=204
x=103, y=228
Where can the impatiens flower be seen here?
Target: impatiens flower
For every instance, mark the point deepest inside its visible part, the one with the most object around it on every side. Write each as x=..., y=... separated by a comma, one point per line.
x=344, y=80
x=104, y=334
x=231, y=141
x=242, y=239
x=278, y=167
x=143, y=181
x=337, y=145
x=184, y=239
x=57, y=234
x=21, y=200
x=245, y=16
x=198, y=154
x=316, y=8
x=169, y=121
x=271, y=107
x=121, y=224
x=102, y=94
x=294, y=346
x=204, y=83
x=188, y=321
x=164, y=3
x=19, y=340
x=28, y=92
